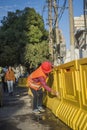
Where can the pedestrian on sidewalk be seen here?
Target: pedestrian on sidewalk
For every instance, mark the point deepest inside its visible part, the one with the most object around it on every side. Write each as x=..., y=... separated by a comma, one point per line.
x=37, y=81
x=10, y=79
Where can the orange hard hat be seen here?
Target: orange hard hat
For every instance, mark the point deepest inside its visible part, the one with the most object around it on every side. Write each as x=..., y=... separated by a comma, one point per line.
x=46, y=67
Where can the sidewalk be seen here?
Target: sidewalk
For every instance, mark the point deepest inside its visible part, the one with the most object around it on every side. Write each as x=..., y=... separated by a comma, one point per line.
x=16, y=114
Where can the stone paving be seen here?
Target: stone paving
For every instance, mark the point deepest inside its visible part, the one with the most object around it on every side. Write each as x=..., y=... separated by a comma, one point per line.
x=16, y=114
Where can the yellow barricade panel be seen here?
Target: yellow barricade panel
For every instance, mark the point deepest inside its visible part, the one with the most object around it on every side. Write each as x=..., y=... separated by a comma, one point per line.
x=22, y=82
x=83, y=76
x=50, y=100
x=70, y=88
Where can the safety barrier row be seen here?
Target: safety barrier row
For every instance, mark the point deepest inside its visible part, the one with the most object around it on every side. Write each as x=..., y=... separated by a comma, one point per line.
x=70, y=80
x=22, y=82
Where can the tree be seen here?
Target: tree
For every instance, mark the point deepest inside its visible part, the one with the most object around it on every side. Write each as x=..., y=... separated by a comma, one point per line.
x=34, y=34
x=36, y=54
x=20, y=31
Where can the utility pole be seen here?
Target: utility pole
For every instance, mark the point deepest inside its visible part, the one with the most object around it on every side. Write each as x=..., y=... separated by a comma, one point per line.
x=71, y=19
x=52, y=5
x=85, y=21
x=57, y=44
x=50, y=28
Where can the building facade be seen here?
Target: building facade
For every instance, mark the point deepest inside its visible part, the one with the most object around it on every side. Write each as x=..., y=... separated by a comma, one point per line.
x=80, y=32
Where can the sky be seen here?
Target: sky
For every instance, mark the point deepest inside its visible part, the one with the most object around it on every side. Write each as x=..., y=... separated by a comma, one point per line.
x=41, y=7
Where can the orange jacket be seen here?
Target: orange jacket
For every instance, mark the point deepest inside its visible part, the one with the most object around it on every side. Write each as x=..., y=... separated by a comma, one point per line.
x=9, y=75
x=36, y=74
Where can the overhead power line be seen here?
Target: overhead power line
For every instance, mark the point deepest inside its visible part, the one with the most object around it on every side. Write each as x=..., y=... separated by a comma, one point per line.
x=63, y=7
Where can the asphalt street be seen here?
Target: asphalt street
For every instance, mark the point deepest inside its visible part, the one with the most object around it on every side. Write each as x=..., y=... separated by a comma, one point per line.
x=16, y=114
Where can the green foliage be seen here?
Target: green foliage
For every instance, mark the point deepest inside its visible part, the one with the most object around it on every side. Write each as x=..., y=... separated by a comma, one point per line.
x=34, y=34
x=8, y=55
x=22, y=37
x=37, y=53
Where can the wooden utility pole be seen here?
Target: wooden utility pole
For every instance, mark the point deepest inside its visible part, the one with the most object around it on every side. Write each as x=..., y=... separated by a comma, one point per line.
x=52, y=5
x=56, y=21
x=72, y=46
x=85, y=21
x=50, y=28
x=85, y=13
x=57, y=54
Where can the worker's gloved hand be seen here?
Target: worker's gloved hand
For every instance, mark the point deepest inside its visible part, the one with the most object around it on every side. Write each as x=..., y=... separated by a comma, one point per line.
x=58, y=94
x=55, y=93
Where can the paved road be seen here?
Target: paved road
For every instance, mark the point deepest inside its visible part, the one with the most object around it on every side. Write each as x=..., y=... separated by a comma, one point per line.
x=16, y=114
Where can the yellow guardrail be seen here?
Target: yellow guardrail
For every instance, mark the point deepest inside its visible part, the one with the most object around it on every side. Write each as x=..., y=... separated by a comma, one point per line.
x=70, y=80
x=22, y=82
x=54, y=82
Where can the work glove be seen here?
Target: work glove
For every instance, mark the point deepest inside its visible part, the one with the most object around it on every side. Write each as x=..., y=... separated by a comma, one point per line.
x=55, y=93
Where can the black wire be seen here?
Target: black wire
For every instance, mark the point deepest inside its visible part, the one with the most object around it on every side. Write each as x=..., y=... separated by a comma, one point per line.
x=45, y=5
x=62, y=10
x=43, y=10
x=63, y=7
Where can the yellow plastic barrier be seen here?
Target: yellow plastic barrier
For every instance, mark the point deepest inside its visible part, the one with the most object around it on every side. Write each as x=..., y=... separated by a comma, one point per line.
x=22, y=82
x=70, y=80
x=69, y=105
x=50, y=100
x=81, y=120
x=29, y=92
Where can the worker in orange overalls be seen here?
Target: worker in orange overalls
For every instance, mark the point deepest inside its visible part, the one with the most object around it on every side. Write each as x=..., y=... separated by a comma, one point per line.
x=36, y=81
